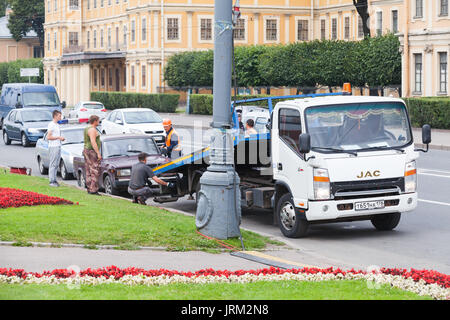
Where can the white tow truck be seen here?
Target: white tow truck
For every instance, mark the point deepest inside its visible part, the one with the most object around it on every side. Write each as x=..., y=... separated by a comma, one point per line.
x=325, y=158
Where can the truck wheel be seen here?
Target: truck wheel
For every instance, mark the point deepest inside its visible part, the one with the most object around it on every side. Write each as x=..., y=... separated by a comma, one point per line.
x=25, y=141
x=43, y=170
x=80, y=180
x=385, y=222
x=64, y=174
x=6, y=139
x=109, y=187
x=291, y=225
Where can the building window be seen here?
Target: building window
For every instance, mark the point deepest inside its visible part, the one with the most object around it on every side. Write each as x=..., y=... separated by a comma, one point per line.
x=73, y=39
x=302, y=30
x=322, y=29
x=394, y=21
x=443, y=73
x=132, y=76
x=88, y=4
x=110, y=77
x=95, y=39
x=419, y=9
x=102, y=2
x=88, y=39
x=133, y=31
x=37, y=52
x=55, y=37
x=55, y=5
x=56, y=78
x=109, y=37
x=95, y=78
x=239, y=30
x=347, y=28
x=125, y=35
x=48, y=41
x=379, y=23
x=102, y=77
x=143, y=76
x=73, y=4
x=205, y=29
x=124, y=76
x=95, y=4
x=117, y=1
x=271, y=30
x=48, y=6
x=144, y=29
x=444, y=8
x=48, y=76
x=418, y=72
x=360, y=27
x=334, y=29
x=109, y=2
x=172, y=29
x=101, y=38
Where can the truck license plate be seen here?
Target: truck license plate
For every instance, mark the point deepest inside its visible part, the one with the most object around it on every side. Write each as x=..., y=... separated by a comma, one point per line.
x=369, y=205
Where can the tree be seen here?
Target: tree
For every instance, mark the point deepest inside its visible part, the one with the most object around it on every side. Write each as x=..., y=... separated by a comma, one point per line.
x=362, y=7
x=3, y=5
x=27, y=15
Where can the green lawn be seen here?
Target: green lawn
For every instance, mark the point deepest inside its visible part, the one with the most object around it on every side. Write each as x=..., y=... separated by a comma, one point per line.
x=282, y=290
x=102, y=221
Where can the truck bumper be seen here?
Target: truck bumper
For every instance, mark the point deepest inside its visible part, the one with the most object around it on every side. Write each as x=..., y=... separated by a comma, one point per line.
x=329, y=210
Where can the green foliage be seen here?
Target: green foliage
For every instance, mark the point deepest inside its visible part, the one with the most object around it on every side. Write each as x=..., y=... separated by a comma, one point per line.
x=10, y=71
x=156, y=102
x=27, y=15
x=372, y=61
x=434, y=111
x=203, y=103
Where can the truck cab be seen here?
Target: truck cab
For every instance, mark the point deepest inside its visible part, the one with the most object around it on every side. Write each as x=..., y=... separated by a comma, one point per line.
x=342, y=158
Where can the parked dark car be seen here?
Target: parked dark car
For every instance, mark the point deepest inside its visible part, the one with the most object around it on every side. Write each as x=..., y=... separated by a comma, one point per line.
x=119, y=153
x=28, y=95
x=26, y=125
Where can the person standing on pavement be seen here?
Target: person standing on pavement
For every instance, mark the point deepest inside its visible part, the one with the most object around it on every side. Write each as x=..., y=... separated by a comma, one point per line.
x=54, y=147
x=92, y=155
x=140, y=173
x=172, y=146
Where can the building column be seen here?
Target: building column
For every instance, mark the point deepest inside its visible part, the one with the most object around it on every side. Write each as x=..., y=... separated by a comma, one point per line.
x=256, y=28
x=286, y=28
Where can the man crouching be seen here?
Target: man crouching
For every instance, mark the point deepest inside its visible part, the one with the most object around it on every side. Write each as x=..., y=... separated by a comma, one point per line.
x=139, y=183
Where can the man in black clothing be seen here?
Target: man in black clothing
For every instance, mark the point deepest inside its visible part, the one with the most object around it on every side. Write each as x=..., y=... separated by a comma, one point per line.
x=140, y=173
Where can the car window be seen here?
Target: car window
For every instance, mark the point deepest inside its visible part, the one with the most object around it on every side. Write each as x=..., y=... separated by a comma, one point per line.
x=12, y=116
x=119, y=116
x=112, y=116
x=93, y=106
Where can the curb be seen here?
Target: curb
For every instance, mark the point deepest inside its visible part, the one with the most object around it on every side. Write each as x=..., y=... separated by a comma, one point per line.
x=75, y=245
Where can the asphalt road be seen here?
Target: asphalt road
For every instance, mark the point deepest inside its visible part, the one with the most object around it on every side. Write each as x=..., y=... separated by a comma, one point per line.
x=420, y=241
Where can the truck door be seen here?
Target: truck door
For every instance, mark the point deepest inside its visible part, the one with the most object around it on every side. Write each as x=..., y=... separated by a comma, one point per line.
x=289, y=166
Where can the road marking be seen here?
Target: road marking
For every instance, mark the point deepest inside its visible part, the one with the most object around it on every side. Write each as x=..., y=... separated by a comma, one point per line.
x=435, y=202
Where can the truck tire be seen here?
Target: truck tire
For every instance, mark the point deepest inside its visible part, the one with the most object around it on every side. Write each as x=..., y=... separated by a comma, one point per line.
x=291, y=224
x=386, y=222
x=109, y=187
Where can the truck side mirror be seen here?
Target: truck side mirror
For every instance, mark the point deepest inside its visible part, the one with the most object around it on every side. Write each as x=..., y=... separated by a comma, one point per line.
x=305, y=143
x=426, y=134
x=63, y=104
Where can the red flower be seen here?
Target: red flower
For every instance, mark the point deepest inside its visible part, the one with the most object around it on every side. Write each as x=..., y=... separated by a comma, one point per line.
x=17, y=198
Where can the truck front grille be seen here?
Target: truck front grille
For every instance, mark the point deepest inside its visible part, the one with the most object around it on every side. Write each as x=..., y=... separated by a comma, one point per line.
x=367, y=188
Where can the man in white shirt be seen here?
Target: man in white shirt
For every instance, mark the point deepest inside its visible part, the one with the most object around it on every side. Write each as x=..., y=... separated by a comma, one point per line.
x=249, y=128
x=54, y=147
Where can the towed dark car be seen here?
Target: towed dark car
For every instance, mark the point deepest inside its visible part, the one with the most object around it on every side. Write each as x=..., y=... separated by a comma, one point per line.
x=119, y=153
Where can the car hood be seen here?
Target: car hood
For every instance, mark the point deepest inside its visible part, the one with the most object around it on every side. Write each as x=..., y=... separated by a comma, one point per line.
x=126, y=162
x=38, y=125
x=73, y=149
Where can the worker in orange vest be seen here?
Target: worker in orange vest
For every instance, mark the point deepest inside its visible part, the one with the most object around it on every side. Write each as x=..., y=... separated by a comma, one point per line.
x=172, y=146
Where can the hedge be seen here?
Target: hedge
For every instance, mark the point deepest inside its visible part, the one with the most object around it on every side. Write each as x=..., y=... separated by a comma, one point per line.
x=434, y=111
x=203, y=103
x=116, y=100
x=10, y=71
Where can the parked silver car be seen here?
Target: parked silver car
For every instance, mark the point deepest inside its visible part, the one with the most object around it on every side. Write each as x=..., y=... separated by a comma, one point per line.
x=70, y=148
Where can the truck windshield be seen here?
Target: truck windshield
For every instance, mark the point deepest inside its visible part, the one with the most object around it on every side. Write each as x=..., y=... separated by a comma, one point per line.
x=358, y=127
x=40, y=99
x=128, y=147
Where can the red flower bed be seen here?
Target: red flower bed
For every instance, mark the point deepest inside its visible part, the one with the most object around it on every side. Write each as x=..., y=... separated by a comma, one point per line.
x=17, y=198
x=429, y=276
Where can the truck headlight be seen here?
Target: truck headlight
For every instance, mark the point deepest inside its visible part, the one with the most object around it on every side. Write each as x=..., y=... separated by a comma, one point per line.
x=32, y=130
x=410, y=177
x=124, y=172
x=321, y=184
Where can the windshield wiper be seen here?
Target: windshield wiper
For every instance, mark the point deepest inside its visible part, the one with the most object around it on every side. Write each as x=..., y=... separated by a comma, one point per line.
x=382, y=148
x=117, y=155
x=336, y=150
x=134, y=151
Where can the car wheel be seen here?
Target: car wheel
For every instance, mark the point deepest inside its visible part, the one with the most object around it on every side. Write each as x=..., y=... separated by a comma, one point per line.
x=6, y=139
x=25, y=141
x=1, y=123
x=64, y=174
x=81, y=181
x=386, y=222
x=109, y=187
x=43, y=170
x=291, y=224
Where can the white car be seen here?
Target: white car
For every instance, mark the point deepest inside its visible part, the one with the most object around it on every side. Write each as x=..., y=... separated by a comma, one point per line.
x=85, y=109
x=135, y=120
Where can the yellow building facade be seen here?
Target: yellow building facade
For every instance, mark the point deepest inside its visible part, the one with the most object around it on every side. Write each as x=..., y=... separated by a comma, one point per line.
x=123, y=45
